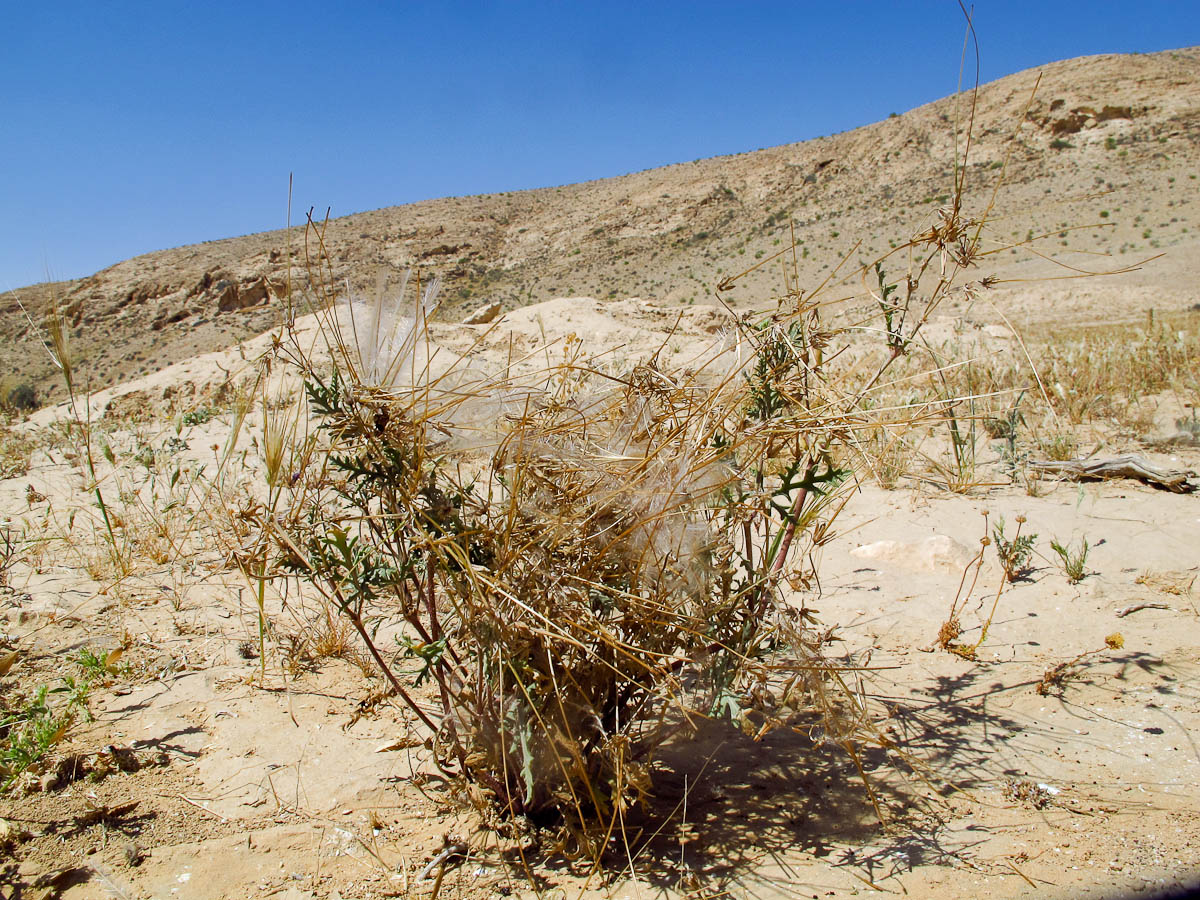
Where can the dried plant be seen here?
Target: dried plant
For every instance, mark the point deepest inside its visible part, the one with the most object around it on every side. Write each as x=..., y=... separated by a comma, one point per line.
x=615, y=556
x=16, y=449
x=952, y=627
x=570, y=564
x=557, y=566
x=1055, y=677
x=12, y=541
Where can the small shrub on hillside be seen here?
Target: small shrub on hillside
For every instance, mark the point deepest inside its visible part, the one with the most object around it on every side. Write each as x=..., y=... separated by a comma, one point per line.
x=593, y=577
x=20, y=397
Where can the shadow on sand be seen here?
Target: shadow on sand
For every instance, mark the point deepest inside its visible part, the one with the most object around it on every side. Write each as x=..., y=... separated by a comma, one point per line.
x=750, y=817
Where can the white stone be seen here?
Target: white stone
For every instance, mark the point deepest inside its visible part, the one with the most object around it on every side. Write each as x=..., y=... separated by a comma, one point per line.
x=937, y=553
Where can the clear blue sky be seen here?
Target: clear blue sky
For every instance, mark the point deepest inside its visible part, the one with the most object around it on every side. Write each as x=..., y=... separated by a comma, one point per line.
x=131, y=127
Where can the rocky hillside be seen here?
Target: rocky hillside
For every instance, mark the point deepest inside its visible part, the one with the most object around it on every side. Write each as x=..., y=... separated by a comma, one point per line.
x=1111, y=142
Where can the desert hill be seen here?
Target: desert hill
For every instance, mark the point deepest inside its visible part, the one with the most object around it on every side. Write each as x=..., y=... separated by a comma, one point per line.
x=1109, y=141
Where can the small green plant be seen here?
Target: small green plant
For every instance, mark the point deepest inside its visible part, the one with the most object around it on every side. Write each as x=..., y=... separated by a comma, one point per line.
x=30, y=730
x=1013, y=554
x=198, y=416
x=1073, y=561
x=960, y=476
x=99, y=668
x=1060, y=144
x=1006, y=428
x=893, y=313
x=1059, y=446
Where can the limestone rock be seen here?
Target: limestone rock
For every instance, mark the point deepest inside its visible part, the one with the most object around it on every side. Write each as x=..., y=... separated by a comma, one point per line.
x=233, y=296
x=938, y=554
x=484, y=314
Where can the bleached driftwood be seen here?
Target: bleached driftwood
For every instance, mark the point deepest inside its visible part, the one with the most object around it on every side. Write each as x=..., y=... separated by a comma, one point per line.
x=1127, y=466
x=1138, y=607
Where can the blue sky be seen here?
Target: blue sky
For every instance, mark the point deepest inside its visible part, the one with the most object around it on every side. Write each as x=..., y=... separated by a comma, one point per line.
x=131, y=127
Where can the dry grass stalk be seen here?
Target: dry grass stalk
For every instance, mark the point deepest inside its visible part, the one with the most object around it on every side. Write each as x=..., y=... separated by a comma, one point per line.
x=952, y=628
x=1056, y=677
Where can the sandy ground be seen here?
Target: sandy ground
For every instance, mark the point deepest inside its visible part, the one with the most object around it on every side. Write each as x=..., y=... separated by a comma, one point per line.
x=221, y=783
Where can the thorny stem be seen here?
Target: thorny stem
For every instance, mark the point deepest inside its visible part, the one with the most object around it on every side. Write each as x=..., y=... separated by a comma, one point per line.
x=793, y=519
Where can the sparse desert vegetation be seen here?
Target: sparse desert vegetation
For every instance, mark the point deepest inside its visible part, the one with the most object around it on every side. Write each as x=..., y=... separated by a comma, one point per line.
x=606, y=597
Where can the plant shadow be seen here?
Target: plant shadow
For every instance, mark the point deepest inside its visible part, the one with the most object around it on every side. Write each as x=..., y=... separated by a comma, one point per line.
x=745, y=816
x=728, y=810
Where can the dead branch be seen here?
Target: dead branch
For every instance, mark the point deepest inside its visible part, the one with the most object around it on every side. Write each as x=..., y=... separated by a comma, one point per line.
x=1127, y=466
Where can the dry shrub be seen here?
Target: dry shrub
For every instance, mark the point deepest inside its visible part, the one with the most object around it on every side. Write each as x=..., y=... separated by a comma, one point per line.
x=612, y=556
x=558, y=566
x=12, y=541
x=16, y=396
x=325, y=635
x=1178, y=583
x=887, y=457
x=1056, y=677
x=576, y=562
